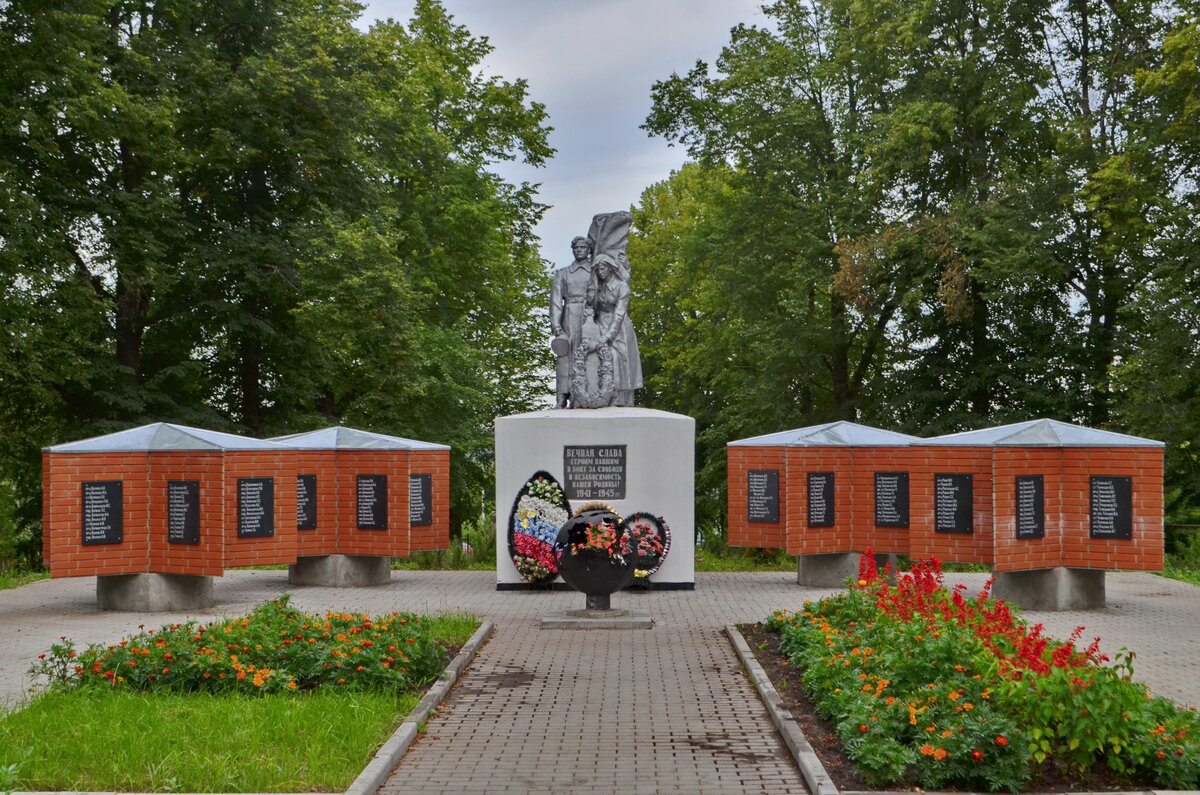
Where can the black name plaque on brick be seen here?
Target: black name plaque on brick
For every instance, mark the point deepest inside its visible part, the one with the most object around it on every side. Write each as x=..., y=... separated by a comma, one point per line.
x=256, y=507
x=762, y=495
x=103, y=511
x=372, y=502
x=1031, y=507
x=183, y=511
x=952, y=503
x=420, y=500
x=820, y=499
x=1112, y=507
x=891, y=499
x=306, y=502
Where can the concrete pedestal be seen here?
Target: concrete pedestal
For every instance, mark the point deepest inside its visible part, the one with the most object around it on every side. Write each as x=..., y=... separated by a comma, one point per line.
x=153, y=593
x=832, y=570
x=1055, y=589
x=598, y=619
x=660, y=465
x=341, y=570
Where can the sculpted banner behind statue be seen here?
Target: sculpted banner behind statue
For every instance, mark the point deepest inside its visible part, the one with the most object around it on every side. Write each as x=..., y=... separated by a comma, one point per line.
x=598, y=361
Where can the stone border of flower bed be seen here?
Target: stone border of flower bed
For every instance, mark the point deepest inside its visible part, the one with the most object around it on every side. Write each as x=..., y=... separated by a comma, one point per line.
x=815, y=775
x=386, y=759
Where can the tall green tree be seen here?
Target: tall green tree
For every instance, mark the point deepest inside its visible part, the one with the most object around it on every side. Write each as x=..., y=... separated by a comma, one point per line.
x=249, y=214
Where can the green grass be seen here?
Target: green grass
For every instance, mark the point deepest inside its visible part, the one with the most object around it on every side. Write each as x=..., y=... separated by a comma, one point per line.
x=734, y=559
x=15, y=579
x=119, y=741
x=100, y=739
x=1174, y=572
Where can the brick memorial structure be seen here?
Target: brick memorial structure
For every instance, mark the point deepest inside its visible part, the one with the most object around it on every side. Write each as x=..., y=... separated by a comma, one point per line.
x=365, y=498
x=812, y=493
x=154, y=513
x=1047, y=505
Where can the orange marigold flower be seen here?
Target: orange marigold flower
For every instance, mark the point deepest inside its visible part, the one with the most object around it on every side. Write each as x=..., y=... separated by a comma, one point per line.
x=947, y=733
x=977, y=755
x=940, y=754
x=1002, y=740
x=862, y=727
x=927, y=749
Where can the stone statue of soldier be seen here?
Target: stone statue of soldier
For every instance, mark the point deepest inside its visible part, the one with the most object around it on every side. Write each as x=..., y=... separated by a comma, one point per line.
x=568, y=293
x=598, y=361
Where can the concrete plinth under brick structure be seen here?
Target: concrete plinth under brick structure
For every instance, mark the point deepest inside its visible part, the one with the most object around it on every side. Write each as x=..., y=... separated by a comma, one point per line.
x=341, y=570
x=153, y=593
x=650, y=467
x=832, y=571
x=1059, y=588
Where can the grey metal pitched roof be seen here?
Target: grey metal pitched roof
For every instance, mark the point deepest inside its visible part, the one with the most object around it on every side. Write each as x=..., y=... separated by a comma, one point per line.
x=340, y=438
x=1041, y=433
x=830, y=434
x=162, y=436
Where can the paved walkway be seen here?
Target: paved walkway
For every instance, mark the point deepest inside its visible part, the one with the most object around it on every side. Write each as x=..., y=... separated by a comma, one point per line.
x=661, y=710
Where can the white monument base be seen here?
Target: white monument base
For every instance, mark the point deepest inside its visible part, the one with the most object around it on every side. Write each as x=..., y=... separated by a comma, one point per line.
x=659, y=475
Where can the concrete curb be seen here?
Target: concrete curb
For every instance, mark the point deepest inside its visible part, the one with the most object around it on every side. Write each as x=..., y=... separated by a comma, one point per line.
x=818, y=780
x=386, y=759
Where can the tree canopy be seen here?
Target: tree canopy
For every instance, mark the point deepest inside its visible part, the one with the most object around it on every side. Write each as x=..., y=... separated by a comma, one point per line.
x=932, y=217
x=250, y=215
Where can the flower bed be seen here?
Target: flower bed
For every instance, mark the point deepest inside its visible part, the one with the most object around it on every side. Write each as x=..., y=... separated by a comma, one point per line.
x=930, y=688
x=273, y=649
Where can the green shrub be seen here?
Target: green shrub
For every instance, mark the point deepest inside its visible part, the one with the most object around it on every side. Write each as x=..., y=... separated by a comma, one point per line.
x=931, y=688
x=275, y=648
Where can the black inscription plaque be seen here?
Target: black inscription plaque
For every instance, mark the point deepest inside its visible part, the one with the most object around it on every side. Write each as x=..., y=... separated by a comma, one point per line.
x=594, y=472
x=952, y=503
x=762, y=495
x=256, y=507
x=306, y=502
x=372, y=502
x=1112, y=507
x=183, y=511
x=820, y=499
x=1031, y=507
x=103, y=511
x=420, y=500
x=891, y=499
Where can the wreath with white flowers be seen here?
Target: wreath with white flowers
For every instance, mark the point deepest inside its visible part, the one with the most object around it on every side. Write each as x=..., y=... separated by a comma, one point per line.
x=538, y=512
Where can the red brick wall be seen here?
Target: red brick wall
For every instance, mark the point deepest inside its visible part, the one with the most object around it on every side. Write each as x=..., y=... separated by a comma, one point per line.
x=63, y=550
x=924, y=541
x=743, y=532
x=805, y=540
x=324, y=539
x=437, y=464
x=207, y=557
x=394, y=541
x=868, y=461
x=1011, y=553
x=282, y=546
x=1145, y=550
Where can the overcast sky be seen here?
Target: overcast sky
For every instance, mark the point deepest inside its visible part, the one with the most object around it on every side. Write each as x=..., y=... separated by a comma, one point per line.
x=592, y=63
